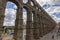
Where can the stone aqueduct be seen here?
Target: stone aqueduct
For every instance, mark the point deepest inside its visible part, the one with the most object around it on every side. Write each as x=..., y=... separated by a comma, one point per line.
x=42, y=23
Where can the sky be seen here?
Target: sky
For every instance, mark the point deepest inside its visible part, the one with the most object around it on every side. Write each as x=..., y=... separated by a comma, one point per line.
x=10, y=14
x=50, y=6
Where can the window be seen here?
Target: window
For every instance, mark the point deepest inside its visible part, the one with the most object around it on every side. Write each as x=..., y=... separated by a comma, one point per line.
x=25, y=1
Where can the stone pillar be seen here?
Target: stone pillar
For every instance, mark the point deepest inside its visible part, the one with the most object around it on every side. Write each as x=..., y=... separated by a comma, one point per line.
x=41, y=26
x=19, y=25
x=31, y=27
x=36, y=27
x=2, y=12
x=29, y=35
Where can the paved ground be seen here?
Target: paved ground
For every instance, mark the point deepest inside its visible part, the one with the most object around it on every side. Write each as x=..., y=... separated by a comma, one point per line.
x=7, y=37
x=46, y=37
x=49, y=35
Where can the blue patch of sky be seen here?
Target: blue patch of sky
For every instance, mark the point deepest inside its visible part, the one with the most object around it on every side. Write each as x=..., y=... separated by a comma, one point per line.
x=10, y=5
x=24, y=10
x=46, y=6
x=57, y=14
x=57, y=4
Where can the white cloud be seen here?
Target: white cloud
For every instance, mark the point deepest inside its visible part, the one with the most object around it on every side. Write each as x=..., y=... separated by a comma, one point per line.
x=9, y=20
x=56, y=1
x=56, y=18
x=10, y=14
x=24, y=16
x=25, y=1
x=41, y=2
x=57, y=9
x=10, y=11
x=52, y=9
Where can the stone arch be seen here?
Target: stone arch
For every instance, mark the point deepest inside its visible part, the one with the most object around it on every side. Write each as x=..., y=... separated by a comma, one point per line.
x=19, y=23
x=18, y=20
x=16, y=2
x=24, y=11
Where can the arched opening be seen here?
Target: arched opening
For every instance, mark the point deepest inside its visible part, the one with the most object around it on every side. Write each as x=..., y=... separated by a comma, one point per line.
x=24, y=10
x=10, y=17
x=25, y=1
x=10, y=14
x=32, y=17
x=24, y=15
x=32, y=4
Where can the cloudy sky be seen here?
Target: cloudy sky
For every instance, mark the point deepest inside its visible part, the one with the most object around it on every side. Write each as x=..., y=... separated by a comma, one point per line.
x=10, y=14
x=51, y=6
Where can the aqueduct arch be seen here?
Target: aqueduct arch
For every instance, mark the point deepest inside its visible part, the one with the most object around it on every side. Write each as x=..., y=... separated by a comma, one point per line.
x=34, y=29
x=19, y=19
